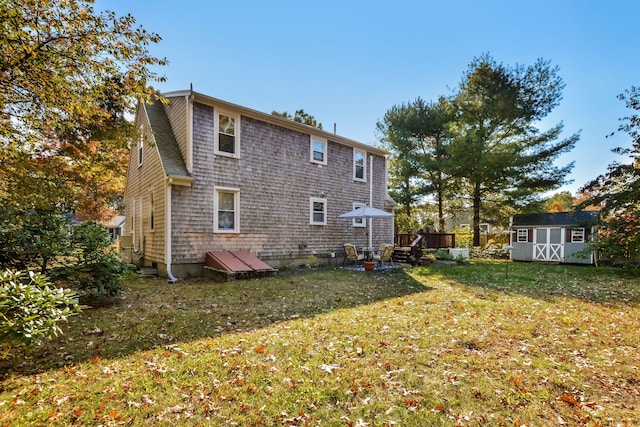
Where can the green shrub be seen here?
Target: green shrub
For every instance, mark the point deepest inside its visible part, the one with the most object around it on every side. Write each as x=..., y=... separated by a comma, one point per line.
x=30, y=239
x=99, y=268
x=443, y=255
x=30, y=309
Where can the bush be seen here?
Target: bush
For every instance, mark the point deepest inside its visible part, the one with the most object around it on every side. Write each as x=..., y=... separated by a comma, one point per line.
x=31, y=239
x=99, y=268
x=30, y=309
x=443, y=255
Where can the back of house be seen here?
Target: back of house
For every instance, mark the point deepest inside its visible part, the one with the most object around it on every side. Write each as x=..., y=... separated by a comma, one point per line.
x=562, y=237
x=207, y=175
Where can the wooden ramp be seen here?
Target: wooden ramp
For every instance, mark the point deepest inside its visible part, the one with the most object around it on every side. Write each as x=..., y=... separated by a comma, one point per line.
x=230, y=265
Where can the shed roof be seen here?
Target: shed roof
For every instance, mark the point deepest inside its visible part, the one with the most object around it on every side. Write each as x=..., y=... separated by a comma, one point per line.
x=555, y=219
x=170, y=156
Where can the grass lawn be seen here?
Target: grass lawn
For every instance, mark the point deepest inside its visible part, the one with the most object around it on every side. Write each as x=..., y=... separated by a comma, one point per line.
x=439, y=345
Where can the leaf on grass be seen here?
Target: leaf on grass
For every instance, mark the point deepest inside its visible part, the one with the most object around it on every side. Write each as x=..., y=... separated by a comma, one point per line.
x=570, y=400
x=329, y=368
x=259, y=348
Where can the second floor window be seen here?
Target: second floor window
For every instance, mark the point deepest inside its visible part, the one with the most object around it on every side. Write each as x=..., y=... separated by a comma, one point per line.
x=359, y=165
x=318, y=150
x=140, y=147
x=226, y=134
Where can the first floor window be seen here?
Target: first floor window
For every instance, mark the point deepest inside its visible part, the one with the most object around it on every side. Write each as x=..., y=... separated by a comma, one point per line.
x=226, y=210
x=523, y=235
x=318, y=214
x=152, y=212
x=359, y=222
x=577, y=235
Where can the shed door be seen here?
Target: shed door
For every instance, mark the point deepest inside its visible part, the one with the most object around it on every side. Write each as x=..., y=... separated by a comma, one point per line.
x=548, y=244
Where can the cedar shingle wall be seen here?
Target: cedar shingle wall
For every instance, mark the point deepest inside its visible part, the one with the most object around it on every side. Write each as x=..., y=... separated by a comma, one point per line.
x=141, y=181
x=276, y=180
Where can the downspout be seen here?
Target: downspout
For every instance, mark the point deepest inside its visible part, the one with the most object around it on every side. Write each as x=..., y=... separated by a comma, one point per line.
x=189, y=154
x=167, y=228
x=370, y=199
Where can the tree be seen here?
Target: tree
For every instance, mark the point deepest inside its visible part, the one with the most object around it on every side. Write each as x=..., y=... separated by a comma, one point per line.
x=496, y=148
x=559, y=202
x=416, y=134
x=68, y=76
x=617, y=192
x=300, y=116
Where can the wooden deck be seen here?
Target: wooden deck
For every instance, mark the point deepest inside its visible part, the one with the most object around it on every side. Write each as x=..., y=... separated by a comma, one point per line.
x=409, y=246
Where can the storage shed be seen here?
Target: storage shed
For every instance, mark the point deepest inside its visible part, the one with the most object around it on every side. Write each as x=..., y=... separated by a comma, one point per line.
x=554, y=237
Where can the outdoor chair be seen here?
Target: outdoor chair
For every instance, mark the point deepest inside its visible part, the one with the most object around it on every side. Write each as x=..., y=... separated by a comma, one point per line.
x=385, y=255
x=351, y=254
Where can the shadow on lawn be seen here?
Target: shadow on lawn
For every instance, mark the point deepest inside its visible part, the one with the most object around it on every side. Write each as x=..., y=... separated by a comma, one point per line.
x=151, y=313
x=598, y=285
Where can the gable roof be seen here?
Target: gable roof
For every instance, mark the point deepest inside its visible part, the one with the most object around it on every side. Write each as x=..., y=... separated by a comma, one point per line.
x=170, y=156
x=556, y=219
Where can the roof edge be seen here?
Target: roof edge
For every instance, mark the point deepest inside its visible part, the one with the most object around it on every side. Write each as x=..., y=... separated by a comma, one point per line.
x=270, y=118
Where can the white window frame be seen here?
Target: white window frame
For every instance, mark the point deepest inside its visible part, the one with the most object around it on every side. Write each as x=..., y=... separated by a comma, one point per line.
x=325, y=148
x=520, y=233
x=216, y=133
x=578, y=235
x=486, y=228
x=236, y=212
x=359, y=222
x=140, y=148
x=152, y=211
x=312, y=220
x=133, y=224
x=467, y=226
x=357, y=151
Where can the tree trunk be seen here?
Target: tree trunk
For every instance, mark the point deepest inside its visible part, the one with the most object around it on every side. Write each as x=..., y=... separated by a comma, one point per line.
x=476, y=214
x=440, y=211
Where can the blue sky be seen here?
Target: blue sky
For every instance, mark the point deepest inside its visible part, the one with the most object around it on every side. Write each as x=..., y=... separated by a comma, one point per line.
x=348, y=62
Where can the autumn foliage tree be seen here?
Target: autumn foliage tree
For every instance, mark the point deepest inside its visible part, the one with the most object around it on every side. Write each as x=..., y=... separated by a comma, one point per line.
x=68, y=76
x=617, y=193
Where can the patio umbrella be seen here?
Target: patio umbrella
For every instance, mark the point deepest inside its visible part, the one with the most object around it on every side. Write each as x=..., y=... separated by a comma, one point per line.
x=367, y=212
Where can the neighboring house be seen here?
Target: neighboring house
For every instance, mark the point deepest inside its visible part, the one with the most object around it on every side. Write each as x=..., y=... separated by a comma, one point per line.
x=556, y=237
x=115, y=227
x=207, y=175
x=463, y=220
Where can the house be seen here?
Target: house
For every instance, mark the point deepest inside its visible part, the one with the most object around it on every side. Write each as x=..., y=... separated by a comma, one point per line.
x=556, y=237
x=207, y=175
x=462, y=220
x=115, y=226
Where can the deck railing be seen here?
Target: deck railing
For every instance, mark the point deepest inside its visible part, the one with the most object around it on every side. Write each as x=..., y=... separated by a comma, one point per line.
x=428, y=240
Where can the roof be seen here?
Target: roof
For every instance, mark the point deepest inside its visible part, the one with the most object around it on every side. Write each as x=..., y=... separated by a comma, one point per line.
x=279, y=121
x=170, y=156
x=115, y=222
x=555, y=218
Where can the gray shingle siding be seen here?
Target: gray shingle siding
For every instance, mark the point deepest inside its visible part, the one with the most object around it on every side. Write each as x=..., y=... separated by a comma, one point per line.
x=275, y=179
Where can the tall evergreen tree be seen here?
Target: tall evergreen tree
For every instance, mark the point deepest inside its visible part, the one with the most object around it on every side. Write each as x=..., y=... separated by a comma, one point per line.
x=416, y=134
x=496, y=147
